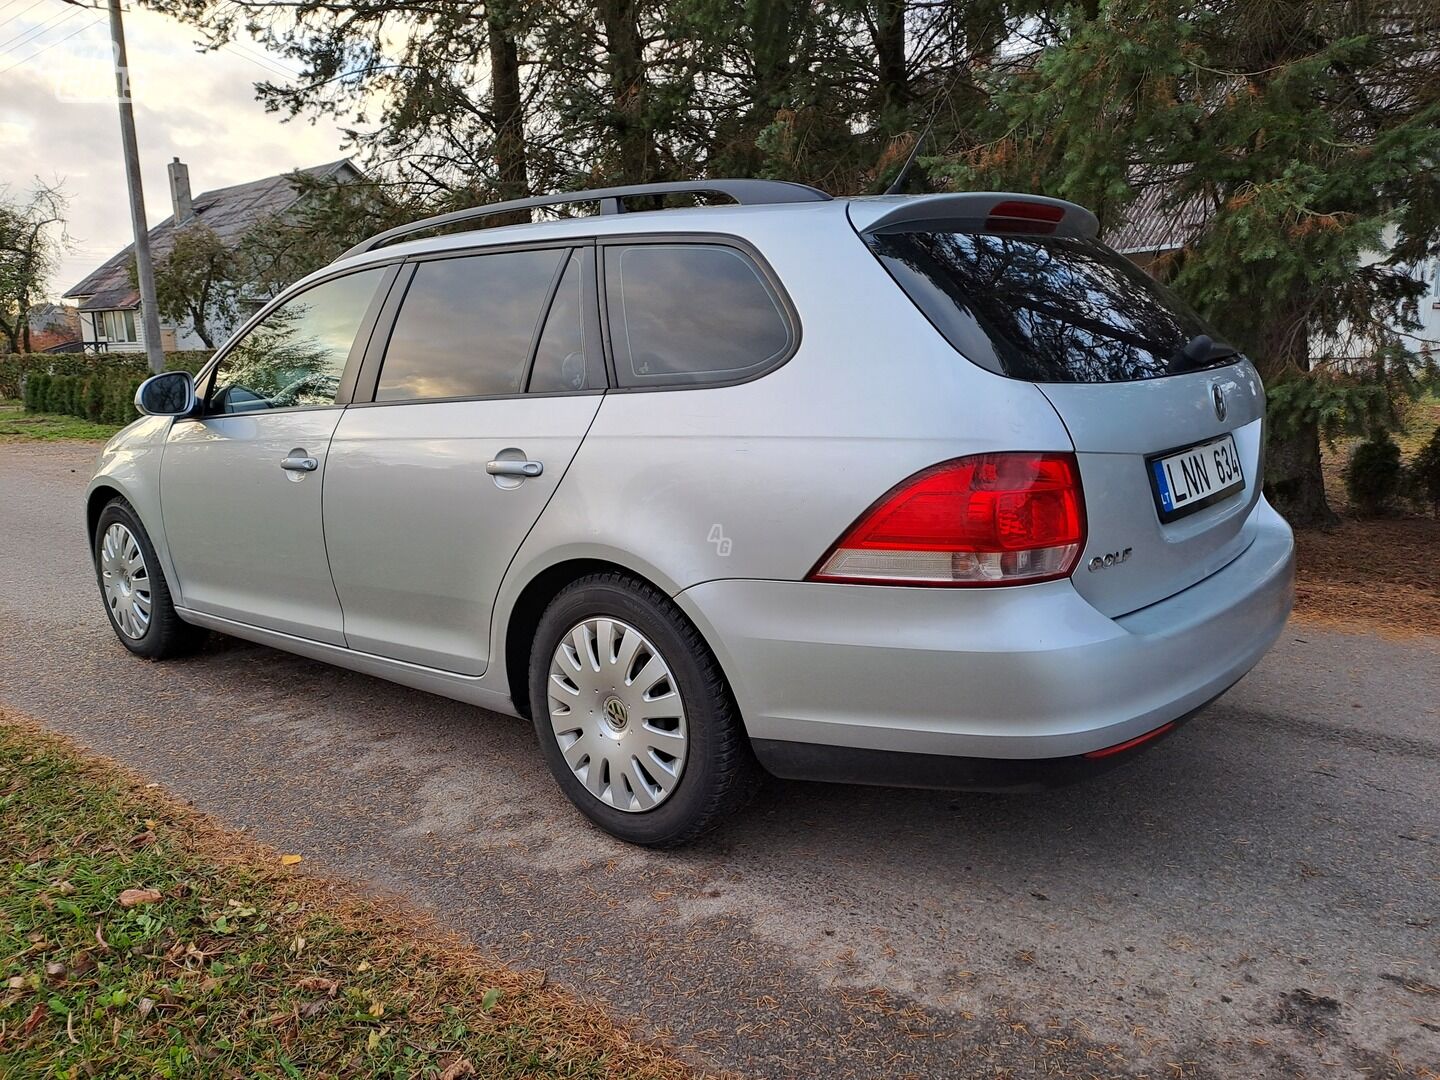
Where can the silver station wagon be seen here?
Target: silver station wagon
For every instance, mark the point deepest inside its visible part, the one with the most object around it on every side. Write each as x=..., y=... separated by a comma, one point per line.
x=932, y=491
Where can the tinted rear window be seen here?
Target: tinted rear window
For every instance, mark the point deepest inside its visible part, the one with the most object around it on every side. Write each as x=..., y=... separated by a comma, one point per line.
x=690, y=313
x=1040, y=308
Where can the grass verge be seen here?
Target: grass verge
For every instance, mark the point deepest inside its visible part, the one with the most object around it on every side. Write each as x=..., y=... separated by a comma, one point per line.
x=139, y=939
x=16, y=423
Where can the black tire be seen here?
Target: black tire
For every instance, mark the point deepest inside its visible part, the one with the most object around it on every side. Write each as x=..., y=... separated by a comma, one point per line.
x=167, y=635
x=720, y=773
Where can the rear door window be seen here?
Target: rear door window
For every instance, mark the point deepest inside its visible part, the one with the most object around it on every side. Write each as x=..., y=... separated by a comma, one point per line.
x=1046, y=309
x=684, y=314
x=466, y=326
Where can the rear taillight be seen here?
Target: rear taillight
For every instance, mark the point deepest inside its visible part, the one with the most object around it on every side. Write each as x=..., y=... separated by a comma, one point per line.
x=991, y=519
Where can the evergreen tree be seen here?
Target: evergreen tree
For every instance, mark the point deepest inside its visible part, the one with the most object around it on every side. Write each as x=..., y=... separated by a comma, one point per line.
x=1294, y=144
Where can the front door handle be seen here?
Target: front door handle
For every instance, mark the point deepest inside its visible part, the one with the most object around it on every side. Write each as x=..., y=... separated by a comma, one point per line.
x=505, y=467
x=299, y=463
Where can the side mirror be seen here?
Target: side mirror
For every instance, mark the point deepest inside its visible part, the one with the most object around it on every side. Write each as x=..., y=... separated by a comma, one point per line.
x=171, y=393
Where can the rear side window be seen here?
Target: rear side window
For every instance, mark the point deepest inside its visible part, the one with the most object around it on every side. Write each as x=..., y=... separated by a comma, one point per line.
x=466, y=325
x=567, y=356
x=1042, y=308
x=687, y=314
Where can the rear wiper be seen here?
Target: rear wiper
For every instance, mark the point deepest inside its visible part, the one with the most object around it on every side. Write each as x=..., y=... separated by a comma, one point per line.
x=1199, y=352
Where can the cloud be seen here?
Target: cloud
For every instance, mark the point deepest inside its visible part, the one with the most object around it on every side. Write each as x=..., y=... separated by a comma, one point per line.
x=58, y=120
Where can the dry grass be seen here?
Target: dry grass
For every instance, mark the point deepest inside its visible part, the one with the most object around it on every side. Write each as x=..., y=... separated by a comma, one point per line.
x=241, y=965
x=1377, y=574
x=1382, y=575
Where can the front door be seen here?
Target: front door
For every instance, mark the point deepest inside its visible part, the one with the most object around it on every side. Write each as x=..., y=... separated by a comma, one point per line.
x=240, y=485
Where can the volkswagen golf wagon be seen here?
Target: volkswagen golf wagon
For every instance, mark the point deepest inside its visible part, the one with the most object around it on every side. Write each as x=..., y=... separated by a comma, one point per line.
x=933, y=491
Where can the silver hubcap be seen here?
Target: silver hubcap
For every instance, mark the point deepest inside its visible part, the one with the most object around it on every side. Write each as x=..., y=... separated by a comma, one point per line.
x=125, y=580
x=617, y=714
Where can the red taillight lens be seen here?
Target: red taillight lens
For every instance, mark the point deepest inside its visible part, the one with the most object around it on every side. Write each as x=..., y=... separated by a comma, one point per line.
x=991, y=519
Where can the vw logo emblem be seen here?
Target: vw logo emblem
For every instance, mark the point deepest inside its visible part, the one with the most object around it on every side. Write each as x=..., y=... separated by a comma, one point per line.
x=616, y=712
x=1217, y=395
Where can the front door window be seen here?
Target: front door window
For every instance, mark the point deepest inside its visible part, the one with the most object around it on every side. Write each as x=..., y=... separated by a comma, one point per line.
x=296, y=354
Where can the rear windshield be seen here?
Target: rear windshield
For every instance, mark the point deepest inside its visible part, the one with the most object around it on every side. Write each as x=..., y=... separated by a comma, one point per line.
x=1041, y=308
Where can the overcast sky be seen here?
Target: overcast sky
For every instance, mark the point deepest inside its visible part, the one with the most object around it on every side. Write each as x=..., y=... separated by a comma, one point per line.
x=58, y=118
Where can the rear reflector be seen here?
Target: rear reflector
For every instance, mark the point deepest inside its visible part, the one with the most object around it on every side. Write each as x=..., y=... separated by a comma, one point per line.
x=1131, y=744
x=990, y=519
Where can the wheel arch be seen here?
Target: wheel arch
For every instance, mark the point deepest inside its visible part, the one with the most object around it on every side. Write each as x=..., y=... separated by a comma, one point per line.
x=100, y=496
x=527, y=610
x=543, y=586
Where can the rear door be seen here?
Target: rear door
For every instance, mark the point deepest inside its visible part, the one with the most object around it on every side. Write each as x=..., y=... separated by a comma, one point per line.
x=1170, y=463
x=490, y=378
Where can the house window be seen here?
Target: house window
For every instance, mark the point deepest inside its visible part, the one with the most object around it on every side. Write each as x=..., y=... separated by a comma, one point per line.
x=119, y=325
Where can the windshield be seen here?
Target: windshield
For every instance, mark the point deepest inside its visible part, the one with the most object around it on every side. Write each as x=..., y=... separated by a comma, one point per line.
x=1041, y=308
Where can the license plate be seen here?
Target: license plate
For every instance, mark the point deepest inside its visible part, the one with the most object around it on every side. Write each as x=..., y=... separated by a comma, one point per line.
x=1194, y=478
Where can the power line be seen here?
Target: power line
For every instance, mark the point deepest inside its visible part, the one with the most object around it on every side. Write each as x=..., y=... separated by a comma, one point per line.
x=52, y=45
x=274, y=67
x=262, y=54
x=23, y=13
x=37, y=32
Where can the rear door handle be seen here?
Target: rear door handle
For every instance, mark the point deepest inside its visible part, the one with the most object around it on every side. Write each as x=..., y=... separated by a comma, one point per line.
x=296, y=463
x=504, y=467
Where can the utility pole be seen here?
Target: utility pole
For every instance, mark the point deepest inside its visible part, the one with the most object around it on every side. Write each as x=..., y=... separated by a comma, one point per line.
x=144, y=268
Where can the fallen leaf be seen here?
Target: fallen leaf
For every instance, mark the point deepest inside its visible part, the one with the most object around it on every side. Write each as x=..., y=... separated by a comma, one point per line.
x=17, y=982
x=33, y=1020
x=55, y=971
x=144, y=839
x=310, y=1008
x=298, y=946
x=372, y=1042
x=455, y=1070
x=320, y=983
x=135, y=897
x=364, y=965
x=291, y=860
x=491, y=998
x=64, y=888
x=145, y=1005
x=377, y=1009
x=151, y=786
x=82, y=963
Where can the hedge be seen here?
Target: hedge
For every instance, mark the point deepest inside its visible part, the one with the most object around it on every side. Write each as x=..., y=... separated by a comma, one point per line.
x=16, y=367
x=99, y=388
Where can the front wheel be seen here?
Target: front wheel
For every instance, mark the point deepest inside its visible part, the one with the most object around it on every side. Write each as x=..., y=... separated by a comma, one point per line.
x=133, y=587
x=634, y=716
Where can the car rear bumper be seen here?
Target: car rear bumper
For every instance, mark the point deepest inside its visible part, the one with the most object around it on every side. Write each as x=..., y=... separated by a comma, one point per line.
x=990, y=676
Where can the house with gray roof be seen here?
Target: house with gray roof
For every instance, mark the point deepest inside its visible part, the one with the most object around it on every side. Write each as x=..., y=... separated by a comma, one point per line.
x=109, y=304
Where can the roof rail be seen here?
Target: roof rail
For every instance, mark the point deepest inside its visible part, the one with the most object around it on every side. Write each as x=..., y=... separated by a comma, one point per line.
x=744, y=192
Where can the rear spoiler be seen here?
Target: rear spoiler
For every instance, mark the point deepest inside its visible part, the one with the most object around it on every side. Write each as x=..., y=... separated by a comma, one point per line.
x=1000, y=211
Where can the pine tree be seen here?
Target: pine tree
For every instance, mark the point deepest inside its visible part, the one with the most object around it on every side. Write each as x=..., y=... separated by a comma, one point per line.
x=1295, y=144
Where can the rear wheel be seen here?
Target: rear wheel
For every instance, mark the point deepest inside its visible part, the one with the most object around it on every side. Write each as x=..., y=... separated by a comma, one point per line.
x=634, y=715
x=133, y=587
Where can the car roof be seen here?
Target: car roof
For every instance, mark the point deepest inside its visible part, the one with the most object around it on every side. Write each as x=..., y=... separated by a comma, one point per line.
x=864, y=213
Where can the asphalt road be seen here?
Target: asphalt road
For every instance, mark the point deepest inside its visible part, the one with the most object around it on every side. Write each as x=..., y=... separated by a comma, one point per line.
x=1258, y=897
